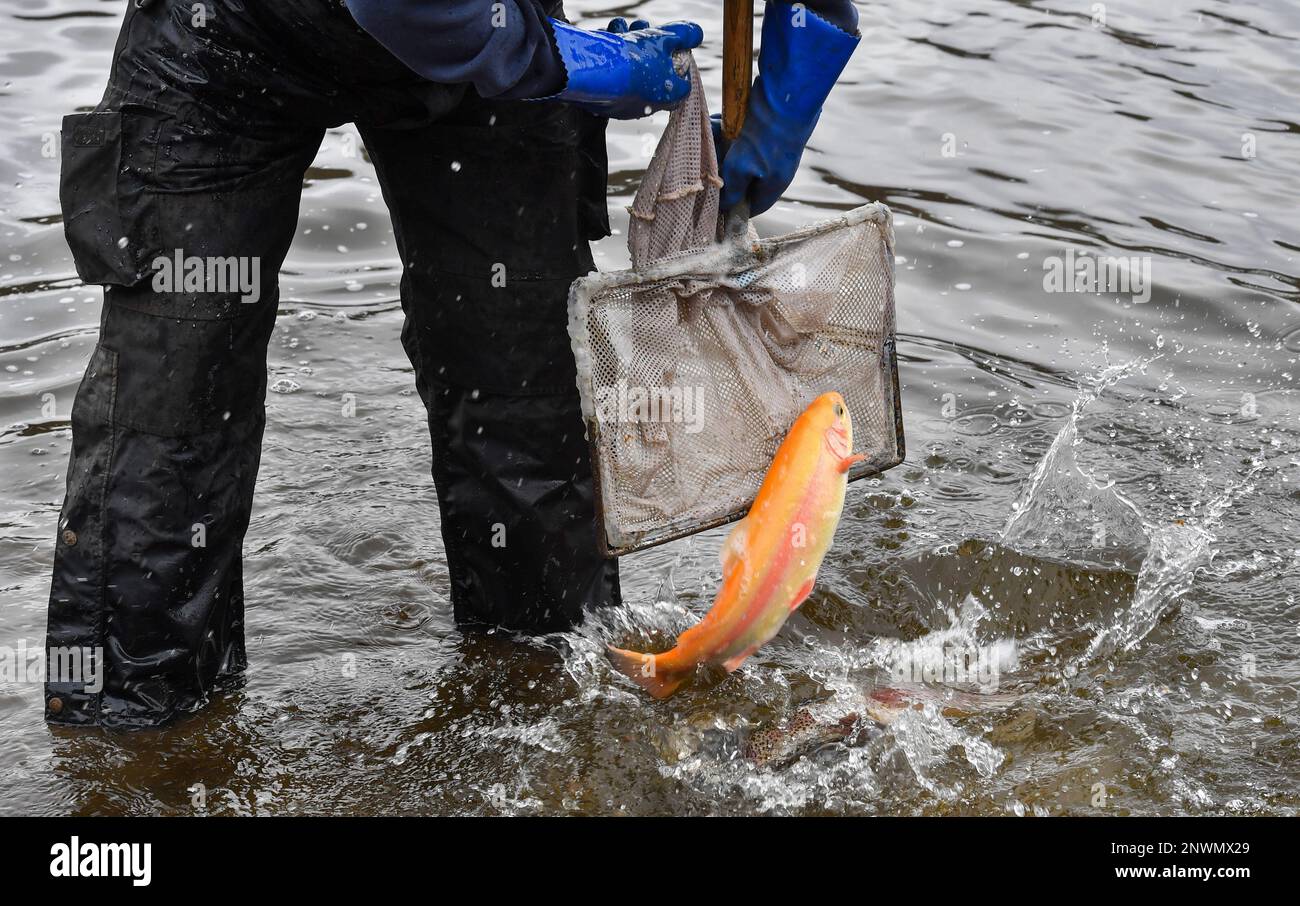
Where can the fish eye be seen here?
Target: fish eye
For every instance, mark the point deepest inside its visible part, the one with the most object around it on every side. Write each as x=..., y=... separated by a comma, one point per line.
x=839, y=410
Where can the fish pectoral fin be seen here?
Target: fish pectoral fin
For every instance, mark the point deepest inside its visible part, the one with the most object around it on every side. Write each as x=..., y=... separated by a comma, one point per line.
x=849, y=462
x=802, y=594
x=730, y=664
x=733, y=549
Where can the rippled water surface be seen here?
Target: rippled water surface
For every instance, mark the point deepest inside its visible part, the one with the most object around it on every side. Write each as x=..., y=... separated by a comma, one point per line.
x=1104, y=488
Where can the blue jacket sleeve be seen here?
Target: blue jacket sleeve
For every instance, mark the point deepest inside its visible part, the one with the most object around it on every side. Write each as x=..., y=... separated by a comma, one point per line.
x=504, y=48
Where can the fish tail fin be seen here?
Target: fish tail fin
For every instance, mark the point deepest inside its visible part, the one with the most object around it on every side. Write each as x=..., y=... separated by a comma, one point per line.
x=649, y=671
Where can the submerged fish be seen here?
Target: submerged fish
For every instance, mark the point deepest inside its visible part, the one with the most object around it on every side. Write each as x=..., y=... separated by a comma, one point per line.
x=887, y=702
x=770, y=559
x=777, y=746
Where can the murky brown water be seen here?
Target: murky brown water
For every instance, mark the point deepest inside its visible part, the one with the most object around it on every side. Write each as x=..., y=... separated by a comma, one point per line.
x=1155, y=621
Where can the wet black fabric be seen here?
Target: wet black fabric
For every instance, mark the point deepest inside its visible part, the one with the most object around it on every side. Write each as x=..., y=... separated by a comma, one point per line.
x=200, y=145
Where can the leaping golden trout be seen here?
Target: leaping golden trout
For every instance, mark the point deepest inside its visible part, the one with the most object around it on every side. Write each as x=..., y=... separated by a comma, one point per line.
x=770, y=559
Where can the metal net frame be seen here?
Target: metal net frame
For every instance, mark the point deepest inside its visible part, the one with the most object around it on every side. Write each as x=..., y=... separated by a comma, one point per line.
x=693, y=364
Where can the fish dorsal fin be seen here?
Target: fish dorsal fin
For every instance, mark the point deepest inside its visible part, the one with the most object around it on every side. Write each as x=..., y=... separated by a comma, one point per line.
x=733, y=549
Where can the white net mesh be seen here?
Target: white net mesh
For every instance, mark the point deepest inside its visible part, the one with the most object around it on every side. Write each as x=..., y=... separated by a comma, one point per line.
x=693, y=365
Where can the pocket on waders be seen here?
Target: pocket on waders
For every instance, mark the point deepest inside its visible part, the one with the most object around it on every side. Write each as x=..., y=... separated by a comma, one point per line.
x=102, y=195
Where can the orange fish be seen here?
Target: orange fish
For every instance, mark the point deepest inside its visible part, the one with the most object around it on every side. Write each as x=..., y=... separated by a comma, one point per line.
x=771, y=557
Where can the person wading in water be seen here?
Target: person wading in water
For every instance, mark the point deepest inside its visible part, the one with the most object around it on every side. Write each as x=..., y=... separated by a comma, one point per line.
x=485, y=122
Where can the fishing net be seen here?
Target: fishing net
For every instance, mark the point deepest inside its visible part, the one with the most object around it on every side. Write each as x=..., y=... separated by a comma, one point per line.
x=693, y=364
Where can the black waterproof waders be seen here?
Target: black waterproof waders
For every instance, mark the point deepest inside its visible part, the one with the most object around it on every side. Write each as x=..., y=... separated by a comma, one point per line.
x=199, y=147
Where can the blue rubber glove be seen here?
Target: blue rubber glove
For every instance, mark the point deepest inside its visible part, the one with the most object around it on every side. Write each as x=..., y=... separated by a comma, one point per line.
x=625, y=72
x=800, y=58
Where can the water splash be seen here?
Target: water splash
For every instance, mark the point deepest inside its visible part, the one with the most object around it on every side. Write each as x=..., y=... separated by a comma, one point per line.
x=885, y=656
x=1178, y=550
x=1065, y=513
